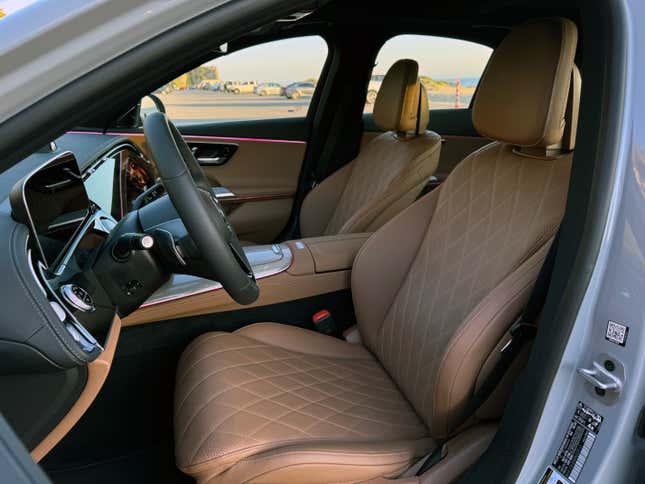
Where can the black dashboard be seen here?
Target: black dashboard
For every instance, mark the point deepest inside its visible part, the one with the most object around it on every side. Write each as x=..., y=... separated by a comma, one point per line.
x=60, y=297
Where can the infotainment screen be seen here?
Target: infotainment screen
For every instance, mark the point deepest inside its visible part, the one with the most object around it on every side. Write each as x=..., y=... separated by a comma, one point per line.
x=54, y=203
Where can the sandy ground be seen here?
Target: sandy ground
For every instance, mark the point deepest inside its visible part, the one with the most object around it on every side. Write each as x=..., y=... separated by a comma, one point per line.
x=200, y=106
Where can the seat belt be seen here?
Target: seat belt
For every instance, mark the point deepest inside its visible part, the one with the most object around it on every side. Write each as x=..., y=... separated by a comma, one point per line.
x=522, y=332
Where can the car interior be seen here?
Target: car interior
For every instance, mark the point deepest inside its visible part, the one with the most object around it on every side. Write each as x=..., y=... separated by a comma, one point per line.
x=347, y=294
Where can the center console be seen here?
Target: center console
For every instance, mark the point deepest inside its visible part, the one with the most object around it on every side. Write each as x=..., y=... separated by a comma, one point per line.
x=288, y=271
x=266, y=260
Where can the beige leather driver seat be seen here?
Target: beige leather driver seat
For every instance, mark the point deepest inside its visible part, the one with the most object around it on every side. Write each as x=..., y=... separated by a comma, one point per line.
x=435, y=291
x=390, y=170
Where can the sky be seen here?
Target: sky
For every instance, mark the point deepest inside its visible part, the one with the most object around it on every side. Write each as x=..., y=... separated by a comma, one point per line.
x=10, y=6
x=438, y=57
x=302, y=58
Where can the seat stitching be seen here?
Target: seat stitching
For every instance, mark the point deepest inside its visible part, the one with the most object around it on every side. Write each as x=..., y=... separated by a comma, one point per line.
x=274, y=420
x=209, y=355
x=295, y=372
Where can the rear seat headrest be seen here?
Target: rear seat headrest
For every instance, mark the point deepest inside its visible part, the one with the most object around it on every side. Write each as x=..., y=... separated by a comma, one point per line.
x=523, y=94
x=401, y=99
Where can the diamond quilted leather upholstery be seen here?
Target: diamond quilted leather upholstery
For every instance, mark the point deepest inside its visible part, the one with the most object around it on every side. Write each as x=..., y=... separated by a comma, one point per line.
x=239, y=396
x=386, y=164
x=388, y=173
x=494, y=213
x=435, y=289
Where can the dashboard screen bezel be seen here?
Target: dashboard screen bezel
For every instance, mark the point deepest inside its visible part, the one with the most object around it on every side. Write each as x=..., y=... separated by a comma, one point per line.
x=22, y=212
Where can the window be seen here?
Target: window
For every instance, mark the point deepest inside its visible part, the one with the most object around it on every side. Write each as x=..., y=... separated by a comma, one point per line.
x=449, y=68
x=271, y=80
x=116, y=180
x=100, y=185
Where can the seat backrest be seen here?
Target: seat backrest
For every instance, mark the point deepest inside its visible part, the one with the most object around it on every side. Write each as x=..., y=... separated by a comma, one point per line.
x=437, y=287
x=390, y=170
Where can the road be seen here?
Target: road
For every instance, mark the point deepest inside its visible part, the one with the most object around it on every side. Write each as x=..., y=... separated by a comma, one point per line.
x=194, y=106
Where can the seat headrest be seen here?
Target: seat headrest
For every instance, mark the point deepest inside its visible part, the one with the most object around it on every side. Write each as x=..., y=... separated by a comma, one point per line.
x=402, y=99
x=522, y=96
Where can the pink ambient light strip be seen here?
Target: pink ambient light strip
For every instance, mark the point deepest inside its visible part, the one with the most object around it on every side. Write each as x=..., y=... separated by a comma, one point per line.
x=197, y=137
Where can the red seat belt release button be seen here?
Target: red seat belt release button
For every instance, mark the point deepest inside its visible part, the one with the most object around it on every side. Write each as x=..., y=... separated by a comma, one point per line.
x=324, y=322
x=320, y=315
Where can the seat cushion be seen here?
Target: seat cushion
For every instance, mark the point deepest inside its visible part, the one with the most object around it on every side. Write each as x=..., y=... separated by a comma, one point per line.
x=272, y=402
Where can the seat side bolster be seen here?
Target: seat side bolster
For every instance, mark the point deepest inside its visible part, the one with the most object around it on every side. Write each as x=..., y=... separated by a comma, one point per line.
x=384, y=261
x=301, y=340
x=473, y=343
x=324, y=462
x=320, y=203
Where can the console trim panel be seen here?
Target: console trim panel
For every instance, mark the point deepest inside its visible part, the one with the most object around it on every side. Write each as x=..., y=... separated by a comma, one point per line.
x=264, y=259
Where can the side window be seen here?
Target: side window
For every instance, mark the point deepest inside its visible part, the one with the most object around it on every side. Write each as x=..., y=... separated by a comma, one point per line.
x=266, y=81
x=449, y=69
x=115, y=181
x=101, y=184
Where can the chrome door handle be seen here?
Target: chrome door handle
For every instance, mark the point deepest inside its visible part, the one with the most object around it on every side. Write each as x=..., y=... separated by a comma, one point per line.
x=601, y=378
x=214, y=160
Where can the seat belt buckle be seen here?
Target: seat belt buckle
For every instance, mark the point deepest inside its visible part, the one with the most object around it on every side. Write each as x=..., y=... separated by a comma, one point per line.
x=324, y=323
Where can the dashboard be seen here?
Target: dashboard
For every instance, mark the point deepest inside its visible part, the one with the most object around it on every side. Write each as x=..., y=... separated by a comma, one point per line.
x=63, y=294
x=93, y=237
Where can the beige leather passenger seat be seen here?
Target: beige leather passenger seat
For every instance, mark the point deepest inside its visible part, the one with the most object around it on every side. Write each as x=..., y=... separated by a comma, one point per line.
x=435, y=291
x=389, y=172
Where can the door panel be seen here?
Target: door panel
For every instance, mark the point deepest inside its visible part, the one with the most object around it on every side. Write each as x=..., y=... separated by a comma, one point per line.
x=262, y=175
x=262, y=171
x=261, y=167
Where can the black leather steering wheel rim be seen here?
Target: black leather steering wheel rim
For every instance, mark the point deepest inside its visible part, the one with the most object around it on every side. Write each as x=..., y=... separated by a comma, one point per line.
x=192, y=195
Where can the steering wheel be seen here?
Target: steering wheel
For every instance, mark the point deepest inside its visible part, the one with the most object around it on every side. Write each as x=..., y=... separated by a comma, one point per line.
x=192, y=195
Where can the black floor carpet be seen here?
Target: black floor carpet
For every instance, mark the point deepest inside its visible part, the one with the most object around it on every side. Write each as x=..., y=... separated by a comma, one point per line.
x=152, y=465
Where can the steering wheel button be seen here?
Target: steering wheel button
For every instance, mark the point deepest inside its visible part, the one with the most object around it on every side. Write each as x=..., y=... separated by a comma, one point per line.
x=77, y=297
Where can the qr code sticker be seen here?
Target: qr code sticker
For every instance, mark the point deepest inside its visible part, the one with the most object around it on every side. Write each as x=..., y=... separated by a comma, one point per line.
x=616, y=333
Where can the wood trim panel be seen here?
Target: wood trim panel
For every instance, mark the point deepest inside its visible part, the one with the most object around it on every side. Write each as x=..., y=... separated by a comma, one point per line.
x=237, y=199
x=280, y=288
x=97, y=372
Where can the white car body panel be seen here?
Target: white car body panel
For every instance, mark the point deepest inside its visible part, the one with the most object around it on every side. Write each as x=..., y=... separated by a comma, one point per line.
x=53, y=42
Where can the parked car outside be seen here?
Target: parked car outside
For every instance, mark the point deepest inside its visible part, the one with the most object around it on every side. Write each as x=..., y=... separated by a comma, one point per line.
x=299, y=89
x=269, y=89
x=241, y=87
x=209, y=85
